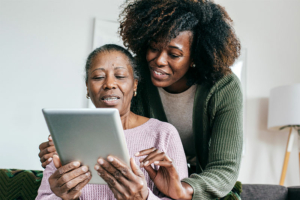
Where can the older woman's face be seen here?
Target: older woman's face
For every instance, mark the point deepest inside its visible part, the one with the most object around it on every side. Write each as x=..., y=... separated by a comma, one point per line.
x=169, y=65
x=110, y=81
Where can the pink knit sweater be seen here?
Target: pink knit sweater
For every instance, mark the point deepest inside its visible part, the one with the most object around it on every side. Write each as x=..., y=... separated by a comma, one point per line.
x=153, y=133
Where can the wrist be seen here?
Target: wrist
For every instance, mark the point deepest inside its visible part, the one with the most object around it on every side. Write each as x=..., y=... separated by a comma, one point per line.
x=188, y=191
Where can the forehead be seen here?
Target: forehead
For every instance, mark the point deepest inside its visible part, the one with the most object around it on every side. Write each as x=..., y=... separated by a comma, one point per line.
x=183, y=41
x=108, y=59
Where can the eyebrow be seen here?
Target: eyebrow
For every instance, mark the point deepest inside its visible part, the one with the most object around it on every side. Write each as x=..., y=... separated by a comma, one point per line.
x=102, y=69
x=174, y=47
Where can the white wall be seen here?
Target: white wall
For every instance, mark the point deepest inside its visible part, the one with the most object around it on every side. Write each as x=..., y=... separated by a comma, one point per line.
x=270, y=31
x=43, y=47
x=44, y=44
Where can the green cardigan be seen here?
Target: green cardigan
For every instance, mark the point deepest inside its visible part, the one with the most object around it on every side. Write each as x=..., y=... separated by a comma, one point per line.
x=218, y=130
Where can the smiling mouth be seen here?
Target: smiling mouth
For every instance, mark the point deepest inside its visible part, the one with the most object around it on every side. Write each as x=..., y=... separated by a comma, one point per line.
x=110, y=99
x=158, y=71
x=159, y=74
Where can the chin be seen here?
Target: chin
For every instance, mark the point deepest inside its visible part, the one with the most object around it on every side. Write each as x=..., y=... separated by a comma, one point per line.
x=161, y=84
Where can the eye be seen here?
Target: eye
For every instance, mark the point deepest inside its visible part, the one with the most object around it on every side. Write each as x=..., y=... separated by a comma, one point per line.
x=174, y=56
x=98, y=77
x=153, y=49
x=120, y=77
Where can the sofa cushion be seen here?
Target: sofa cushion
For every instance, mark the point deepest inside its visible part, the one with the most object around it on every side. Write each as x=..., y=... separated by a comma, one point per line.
x=265, y=192
x=19, y=184
x=294, y=193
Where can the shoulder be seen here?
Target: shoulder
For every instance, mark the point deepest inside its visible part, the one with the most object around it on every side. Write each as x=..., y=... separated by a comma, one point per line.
x=228, y=87
x=162, y=127
x=229, y=83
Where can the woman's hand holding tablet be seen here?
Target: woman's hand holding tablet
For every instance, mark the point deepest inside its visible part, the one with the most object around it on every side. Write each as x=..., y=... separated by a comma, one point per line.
x=68, y=180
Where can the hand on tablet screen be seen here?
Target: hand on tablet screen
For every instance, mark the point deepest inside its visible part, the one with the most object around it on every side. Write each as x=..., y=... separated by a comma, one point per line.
x=123, y=182
x=166, y=179
x=47, y=150
x=68, y=180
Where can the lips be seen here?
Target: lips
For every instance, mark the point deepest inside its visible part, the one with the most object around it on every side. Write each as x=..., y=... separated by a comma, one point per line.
x=158, y=71
x=159, y=74
x=110, y=97
x=110, y=100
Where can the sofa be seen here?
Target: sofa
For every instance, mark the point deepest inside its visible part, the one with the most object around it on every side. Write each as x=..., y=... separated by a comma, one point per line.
x=23, y=185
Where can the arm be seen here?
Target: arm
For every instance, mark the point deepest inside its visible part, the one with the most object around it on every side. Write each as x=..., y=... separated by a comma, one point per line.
x=221, y=172
x=44, y=192
x=172, y=168
x=63, y=182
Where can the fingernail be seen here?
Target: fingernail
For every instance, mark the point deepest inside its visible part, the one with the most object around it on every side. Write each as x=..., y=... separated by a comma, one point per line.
x=49, y=159
x=87, y=174
x=50, y=137
x=100, y=161
x=84, y=168
x=76, y=164
x=99, y=173
x=146, y=163
x=141, y=159
x=136, y=154
x=156, y=162
x=97, y=167
x=141, y=164
x=110, y=159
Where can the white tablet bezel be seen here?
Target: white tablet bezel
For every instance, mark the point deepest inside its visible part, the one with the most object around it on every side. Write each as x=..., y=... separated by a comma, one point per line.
x=87, y=134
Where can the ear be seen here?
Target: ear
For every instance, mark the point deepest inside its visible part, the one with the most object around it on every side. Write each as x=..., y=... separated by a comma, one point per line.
x=135, y=84
x=87, y=87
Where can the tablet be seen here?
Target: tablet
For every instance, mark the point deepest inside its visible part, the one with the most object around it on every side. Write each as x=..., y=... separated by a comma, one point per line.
x=87, y=134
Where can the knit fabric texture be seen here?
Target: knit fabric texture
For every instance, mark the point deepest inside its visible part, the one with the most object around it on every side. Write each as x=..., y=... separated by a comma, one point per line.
x=217, y=127
x=153, y=133
x=19, y=184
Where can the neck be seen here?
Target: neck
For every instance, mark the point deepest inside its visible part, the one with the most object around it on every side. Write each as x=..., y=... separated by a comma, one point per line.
x=128, y=120
x=178, y=87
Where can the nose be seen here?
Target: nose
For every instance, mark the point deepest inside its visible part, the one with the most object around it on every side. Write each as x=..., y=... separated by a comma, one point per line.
x=110, y=83
x=161, y=59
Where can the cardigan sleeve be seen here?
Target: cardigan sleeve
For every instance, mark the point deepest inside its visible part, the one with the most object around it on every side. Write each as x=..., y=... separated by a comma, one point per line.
x=44, y=192
x=224, y=112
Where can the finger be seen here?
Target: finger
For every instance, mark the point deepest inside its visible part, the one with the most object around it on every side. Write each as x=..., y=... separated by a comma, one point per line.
x=110, y=180
x=111, y=170
x=121, y=167
x=45, y=163
x=45, y=157
x=72, y=174
x=136, y=170
x=155, y=156
x=116, y=193
x=74, y=182
x=77, y=189
x=169, y=166
x=56, y=161
x=43, y=145
x=50, y=138
x=152, y=173
x=164, y=163
x=49, y=149
x=66, y=168
x=145, y=152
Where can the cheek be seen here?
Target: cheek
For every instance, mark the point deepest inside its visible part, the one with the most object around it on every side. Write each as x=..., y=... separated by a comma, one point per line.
x=150, y=56
x=127, y=90
x=179, y=69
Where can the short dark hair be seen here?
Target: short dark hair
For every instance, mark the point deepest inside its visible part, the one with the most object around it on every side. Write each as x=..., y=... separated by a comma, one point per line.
x=110, y=48
x=214, y=46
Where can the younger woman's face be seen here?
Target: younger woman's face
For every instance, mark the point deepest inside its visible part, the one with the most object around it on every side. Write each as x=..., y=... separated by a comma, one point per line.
x=110, y=81
x=169, y=65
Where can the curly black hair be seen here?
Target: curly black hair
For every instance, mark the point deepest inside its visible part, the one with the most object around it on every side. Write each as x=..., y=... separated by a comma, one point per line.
x=214, y=47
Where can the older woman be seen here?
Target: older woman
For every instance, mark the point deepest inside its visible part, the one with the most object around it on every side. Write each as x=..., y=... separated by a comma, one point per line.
x=112, y=81
x=184, y=49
